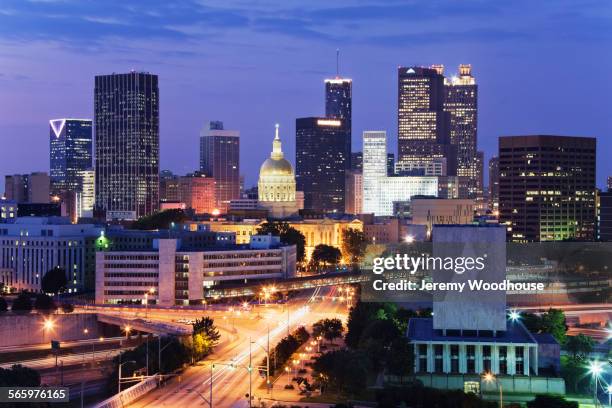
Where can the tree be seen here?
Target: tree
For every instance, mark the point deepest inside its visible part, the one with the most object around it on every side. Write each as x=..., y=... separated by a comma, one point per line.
x=551, y=401
x=54, y=281
x=342, y=370
x=23, y=303
x=3, y=305
x=579, y=346
x=67, y=308
x=552, y=322
x=44, y=303
x=325, y=255
x=19, y=376
x=205, y=337
x=288, y=235
x=353, y=245
x=329, y=329
x=160, y=220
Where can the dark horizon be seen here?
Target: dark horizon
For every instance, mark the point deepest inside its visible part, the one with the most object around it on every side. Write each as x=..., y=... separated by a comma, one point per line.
x=254, y=67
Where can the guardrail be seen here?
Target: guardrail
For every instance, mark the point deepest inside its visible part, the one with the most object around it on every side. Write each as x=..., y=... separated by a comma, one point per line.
x=130, y=394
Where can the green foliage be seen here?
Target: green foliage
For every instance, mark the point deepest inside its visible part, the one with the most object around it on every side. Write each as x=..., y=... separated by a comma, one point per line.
x=325, y=255
x=205, y=337
x=160, y=220
x=44, y=303
x=579, y=346
x=342, y=370
x=23, y=303
x=353, y=245
x=573, y=372
x=417, y=396
x=288, y=235
x=54, y=281
x=552, y=322
x=3, y=305
x=285, y=348
x=550, y=401
x=329, y=329
x=19, y=376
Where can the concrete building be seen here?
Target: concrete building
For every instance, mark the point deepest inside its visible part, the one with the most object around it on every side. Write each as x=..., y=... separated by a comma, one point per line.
x=470, y=332
x=32, y=246
x=547, y=187
x=605, y=217
x=197, y=191
x=494, y=185
x=430, y=211
x=28, y=188
x=8, y=210
x=353, y=200
x=170, y=274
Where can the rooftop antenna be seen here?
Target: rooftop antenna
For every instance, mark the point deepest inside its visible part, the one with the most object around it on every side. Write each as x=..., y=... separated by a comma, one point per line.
x=337, y=62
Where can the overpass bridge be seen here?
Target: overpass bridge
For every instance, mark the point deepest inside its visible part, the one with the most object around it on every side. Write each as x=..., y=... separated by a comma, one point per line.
x=287, y=285
x=144, y=325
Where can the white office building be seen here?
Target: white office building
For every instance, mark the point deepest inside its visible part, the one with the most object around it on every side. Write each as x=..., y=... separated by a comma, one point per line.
x=32, y=246
x=374, y=168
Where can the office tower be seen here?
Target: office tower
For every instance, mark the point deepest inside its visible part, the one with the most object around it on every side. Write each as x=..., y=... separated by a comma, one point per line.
x=353, y=201
x=605, y=217
x=374, y=167
x=338, y=100
x=70, y=142
x=126, y=110
x=609, y=183
x=169, y=187
x=494, y=185
x=27, y=188
x=356, y=161
x=323, y=151
x=86, y=198
x=390, y=164
x=423, y=124
x=220, y=159
x=547, y=187
x=461, y=102
x=197, y=191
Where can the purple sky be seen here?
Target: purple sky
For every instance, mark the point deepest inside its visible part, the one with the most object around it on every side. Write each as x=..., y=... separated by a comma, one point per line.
x=542, y=67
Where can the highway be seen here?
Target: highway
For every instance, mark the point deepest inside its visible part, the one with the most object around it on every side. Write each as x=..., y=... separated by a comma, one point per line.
x=231, y=384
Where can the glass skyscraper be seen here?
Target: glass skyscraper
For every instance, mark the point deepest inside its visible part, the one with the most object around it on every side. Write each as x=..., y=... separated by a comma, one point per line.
x=70, y=142
x=126, y=110
x=322, y=157
x=220, y=159
x=423, y=124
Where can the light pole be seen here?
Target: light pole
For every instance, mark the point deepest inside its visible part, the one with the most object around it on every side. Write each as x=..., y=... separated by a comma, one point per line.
x=119, y=378
x=595, y=368
x=609, y=390
x=488, y=377
x=267, y=351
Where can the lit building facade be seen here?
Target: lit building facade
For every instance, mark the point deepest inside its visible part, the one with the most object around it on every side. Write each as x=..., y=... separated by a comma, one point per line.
x=423, y=123
x=86, y=198
x=220, y=159
x=430, y=211
x=126, y=120
x=374, y=167
x=339, y=100
x=70, y=147
x=170, y=275
x=32, y=246
x=353, y=201
x=604, y=229
x=276, y=186
x=547, y=187
x=197, y=192
x=494, y=185
x=323, y=153
x=8, y=210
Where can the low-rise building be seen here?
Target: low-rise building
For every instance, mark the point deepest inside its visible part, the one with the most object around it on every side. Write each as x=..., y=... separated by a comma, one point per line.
x=171, y=273
x=430, y=211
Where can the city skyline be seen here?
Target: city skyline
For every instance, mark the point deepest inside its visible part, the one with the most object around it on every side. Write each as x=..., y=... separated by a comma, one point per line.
x=290, y=81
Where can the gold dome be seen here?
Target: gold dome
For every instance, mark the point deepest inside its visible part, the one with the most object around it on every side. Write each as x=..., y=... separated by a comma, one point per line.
x=276, y=167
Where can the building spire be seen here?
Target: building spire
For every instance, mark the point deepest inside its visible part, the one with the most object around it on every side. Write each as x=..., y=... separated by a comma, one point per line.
x=277, y=151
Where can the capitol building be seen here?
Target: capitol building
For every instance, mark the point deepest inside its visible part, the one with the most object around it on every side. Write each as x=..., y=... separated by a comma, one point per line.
x=276, y=186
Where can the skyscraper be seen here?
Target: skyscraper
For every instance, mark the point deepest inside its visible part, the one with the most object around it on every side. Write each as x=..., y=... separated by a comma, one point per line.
x=126, y=110
x=494, y=185
x=374, y=167
x=461, y=102
x=547, y=187
x=70, y=154
x=339, y=100
x=220, y=159
x=423, y=124
x=322, y=150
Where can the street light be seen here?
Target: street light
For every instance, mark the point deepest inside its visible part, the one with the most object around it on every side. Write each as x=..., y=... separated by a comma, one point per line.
x=489, y=377
x=127, y=330
x=595, y=369
x=514, y=315
x=609, y=390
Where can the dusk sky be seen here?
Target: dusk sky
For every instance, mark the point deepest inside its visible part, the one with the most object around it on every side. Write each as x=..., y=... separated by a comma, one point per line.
x=542, y=67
